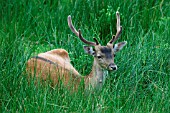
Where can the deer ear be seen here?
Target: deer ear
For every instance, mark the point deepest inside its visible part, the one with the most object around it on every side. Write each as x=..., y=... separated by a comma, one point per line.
x=117, y=47
x=89, y=50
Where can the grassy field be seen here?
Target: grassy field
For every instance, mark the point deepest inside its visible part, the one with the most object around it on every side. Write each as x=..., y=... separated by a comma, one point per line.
x=140, y=85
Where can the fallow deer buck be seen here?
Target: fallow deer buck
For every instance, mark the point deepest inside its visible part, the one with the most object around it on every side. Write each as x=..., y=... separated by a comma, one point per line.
x=55, y=64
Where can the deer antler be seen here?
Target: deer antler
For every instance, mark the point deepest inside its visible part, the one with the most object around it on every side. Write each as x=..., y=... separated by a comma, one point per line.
x=119, y=29
x=78, y=33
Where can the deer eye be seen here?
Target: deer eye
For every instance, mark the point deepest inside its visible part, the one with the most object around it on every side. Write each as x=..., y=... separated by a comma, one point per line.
x=99, y=57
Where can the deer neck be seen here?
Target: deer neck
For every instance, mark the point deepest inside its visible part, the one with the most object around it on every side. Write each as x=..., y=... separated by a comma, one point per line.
x=97, y=76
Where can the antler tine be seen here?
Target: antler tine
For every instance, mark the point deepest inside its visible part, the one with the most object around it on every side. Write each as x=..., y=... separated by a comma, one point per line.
x=71, y=26
x=97, y=43
x=78, y=33
x=85, y=41
x=119, y=29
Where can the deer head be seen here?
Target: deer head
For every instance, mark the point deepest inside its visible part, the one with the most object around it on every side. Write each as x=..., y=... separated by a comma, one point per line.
x=103, y=55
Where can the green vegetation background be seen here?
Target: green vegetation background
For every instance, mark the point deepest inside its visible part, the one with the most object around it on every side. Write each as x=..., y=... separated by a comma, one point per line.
x=142, y=82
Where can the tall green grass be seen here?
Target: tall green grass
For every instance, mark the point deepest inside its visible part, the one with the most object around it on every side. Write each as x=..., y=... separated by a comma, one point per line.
x=141, y=83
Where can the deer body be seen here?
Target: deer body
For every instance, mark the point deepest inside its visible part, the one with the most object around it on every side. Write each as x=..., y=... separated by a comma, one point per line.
x=61, y=69
x=55, y=64
x=64, y=70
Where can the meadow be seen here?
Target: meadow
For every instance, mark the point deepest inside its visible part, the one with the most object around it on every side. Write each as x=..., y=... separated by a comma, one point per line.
x=140, y=85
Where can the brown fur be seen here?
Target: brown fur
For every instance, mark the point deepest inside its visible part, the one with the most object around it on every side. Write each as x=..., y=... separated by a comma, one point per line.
x=44, y=70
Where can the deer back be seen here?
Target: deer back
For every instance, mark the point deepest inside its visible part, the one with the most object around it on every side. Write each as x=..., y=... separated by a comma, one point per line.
x=54, y=65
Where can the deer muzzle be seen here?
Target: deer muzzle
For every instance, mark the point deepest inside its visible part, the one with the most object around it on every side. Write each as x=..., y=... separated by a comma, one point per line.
x=112, y=67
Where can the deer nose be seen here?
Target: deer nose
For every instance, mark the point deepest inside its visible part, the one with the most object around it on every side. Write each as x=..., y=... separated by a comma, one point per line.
x=112, y=67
